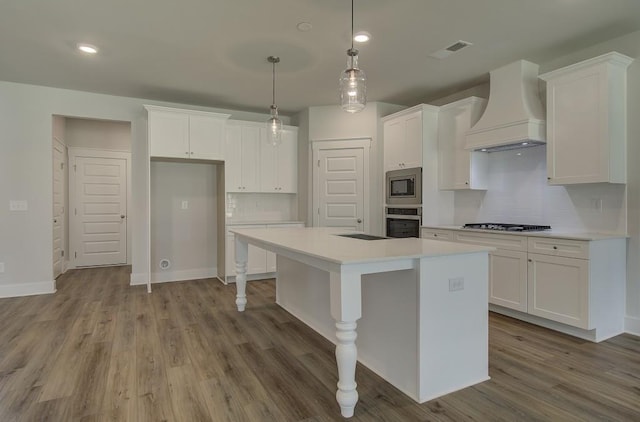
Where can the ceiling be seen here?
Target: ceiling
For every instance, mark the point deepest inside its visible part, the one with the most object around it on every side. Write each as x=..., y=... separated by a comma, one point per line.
x=214, y=53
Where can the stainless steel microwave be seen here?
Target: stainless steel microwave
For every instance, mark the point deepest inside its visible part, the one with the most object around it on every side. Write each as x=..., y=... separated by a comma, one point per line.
x=404, y=187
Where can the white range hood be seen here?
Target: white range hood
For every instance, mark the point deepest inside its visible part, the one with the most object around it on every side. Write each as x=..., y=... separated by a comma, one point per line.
x=514, y=117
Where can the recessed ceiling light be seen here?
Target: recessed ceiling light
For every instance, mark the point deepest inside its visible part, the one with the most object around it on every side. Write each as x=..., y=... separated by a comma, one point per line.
x=87, y=48
x=304, y=26
x=362, y=36
x=525, y=143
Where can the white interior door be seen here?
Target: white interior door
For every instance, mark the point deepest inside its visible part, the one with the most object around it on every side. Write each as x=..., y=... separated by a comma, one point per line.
x=59, y=206
x=341, y=184
x=100, y=203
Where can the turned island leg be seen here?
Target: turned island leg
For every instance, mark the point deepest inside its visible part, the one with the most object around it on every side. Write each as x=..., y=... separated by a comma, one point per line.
x=346, y=309
x=242, y=253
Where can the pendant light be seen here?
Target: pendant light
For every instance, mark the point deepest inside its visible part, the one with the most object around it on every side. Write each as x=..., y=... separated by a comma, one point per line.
x=274, y=124
x=353, y=89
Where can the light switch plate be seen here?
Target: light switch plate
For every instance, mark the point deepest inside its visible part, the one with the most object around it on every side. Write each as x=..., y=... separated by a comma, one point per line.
x=17, y=205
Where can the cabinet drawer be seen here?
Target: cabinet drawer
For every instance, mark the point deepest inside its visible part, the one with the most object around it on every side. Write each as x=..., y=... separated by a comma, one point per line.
x=559, y=247
x=436, y=234
x=500, y=241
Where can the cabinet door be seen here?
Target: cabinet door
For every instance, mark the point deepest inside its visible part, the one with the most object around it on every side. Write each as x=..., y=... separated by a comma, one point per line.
x=250, y=159
x=411, y=152
x=230, y=261
x=577, y=145
x=256, y=262
x=559, y=289
x=459, y=167
x=393, y=143
x=288, y=163
x=508, y=279
x=233, y=159
x=168, y=134
x=268, y=164
x=206, y=137
x=447, y=155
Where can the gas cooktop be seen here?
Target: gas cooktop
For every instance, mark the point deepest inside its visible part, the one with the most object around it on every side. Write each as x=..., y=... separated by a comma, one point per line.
x=506, y=227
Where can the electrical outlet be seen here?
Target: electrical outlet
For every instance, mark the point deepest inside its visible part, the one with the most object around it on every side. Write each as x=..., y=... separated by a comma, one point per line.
x=596, y=204
x=185, y=205
x=456, y=284
x=1, y=267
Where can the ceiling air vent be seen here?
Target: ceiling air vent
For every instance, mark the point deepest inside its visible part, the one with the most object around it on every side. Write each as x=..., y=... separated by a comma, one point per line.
x=453, y=48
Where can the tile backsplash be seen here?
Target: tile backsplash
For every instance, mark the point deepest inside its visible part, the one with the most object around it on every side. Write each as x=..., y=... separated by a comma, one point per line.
x=518, y=193
x=261, y=207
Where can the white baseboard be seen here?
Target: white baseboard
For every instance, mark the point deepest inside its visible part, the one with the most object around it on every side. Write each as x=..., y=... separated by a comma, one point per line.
x=28, y=289
x=632, y=325
x=169, y=276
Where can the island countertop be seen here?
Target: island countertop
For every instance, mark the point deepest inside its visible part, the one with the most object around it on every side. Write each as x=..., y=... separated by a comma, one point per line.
x=326, y=244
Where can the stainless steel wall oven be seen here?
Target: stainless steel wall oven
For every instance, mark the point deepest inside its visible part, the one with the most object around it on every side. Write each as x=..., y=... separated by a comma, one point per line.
x=403, y=221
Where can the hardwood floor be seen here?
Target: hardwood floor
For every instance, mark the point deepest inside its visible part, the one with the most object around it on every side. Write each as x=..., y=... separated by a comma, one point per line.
x=100, y=350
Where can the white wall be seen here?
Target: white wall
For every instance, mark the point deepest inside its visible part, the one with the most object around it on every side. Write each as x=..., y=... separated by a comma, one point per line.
x=186, y=237
x=98, y=134
x=26, y=173
x=332, y=123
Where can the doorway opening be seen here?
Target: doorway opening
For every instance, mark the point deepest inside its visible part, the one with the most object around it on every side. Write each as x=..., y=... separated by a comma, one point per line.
x=91, y=193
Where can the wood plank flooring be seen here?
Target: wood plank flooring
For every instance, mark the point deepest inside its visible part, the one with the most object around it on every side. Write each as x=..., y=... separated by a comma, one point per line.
x=101, y=350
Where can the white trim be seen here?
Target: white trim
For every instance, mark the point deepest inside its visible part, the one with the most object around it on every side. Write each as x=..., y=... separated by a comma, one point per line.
x=351, y=143
x=97, y=153
x=28, y=289
x=632, y=325
x=140, y=279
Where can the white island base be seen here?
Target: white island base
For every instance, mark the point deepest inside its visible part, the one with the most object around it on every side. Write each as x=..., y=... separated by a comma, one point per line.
x=419, y=337
x=424, y=325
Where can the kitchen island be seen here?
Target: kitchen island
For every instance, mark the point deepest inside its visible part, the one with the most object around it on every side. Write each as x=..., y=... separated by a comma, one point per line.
x=423, y=305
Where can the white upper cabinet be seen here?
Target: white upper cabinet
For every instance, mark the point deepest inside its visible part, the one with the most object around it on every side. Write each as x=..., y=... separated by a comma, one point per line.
x=403, y=140
x=458, y=167
x=279, y=164
x=176, y=133
x=586, y=121
x=253, y=165
x=242, y=146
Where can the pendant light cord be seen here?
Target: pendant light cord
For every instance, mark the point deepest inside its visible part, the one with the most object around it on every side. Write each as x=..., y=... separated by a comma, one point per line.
x=352, y=24
x=274, y=84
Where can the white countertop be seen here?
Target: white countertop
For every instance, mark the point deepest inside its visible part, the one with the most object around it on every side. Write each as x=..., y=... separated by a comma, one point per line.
x=547, y=233
x=323, y=243
x=261, y=222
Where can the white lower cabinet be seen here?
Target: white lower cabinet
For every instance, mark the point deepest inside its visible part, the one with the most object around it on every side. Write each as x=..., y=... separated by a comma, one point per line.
x=555, y=282
x=259, y=261
x=559, y=289
x=508, y=279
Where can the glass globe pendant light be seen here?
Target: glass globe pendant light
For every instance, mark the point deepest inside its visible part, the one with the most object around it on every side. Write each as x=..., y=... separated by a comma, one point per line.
x=274, y=124
x=353, y=88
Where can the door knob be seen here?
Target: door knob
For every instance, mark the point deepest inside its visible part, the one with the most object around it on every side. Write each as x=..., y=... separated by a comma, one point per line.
x=359, y=220
x=55, y=220
x=122, y=216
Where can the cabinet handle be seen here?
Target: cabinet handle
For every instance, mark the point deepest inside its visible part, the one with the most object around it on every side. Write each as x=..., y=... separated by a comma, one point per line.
x=548, y=178
x=466, y=183
x=555, y=247
x=191, y=152
x=529, y=260
x=435, y=235
x=187, y=152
